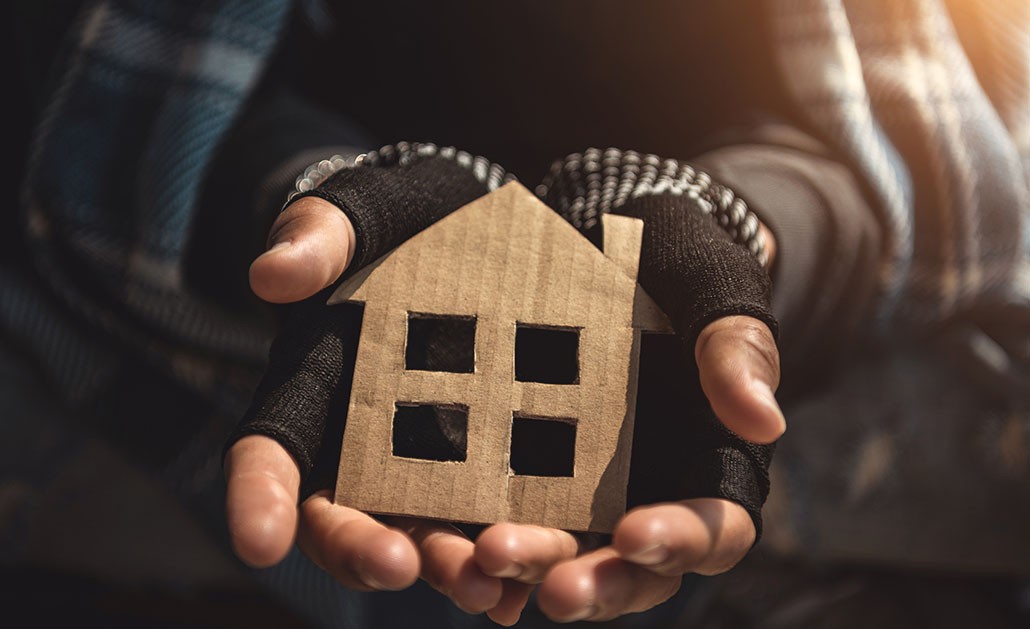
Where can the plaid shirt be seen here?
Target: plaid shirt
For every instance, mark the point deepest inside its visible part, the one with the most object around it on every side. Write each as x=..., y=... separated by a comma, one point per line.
x=145, y=92
x=932, y=109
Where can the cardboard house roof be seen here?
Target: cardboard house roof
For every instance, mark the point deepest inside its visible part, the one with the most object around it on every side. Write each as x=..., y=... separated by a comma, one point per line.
x=505, y=260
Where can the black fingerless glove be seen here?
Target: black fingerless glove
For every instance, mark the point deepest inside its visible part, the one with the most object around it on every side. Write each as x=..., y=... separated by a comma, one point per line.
x=692, y=269
x=393, y=194
x=700, y=260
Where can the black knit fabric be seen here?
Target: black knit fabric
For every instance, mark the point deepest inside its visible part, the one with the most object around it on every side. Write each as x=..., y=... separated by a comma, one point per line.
x=389, y=204
x=302, y=399
x=690, y=266
x=680, y=449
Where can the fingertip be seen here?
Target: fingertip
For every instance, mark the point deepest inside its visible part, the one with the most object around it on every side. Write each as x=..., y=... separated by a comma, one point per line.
x=497, y=550
x=509, y=610
x=567, y=594
x=667, y=539
x=773, y=424
x=262, y=481
x=477, y=592
x=312, y=243
x=750, y=410
x=295, y=270
x=360, y=552
x=271, y=278
x=729, y=531
x=739, y=368
x=704, y=535
x=262, y=520
x=504, y=618
x=397, y=563
x=523, y=552
x=641, y=538
x=449, y=566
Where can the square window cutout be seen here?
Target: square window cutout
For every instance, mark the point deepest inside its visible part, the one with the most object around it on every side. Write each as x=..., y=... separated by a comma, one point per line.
x=440, y=343
x=433, y=432
x=542, y=446
x=546, y=354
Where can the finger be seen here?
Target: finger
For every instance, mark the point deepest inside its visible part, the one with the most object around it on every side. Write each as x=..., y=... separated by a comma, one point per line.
x=310, y=245
x=262, y=481
x=740, y=369
x=523, y=552
x=704, y=535
x=513, y=601
x=599, y=585
x=360, y=552
x=449, y=567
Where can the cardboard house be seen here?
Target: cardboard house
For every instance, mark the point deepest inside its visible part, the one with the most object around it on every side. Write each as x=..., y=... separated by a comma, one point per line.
x=545, y=438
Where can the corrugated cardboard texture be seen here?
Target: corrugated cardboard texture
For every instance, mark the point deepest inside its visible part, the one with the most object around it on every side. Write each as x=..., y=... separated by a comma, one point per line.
x=505, y=259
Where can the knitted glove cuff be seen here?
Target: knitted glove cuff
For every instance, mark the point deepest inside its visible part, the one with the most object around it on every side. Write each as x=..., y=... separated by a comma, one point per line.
x=583, y=186
x=702, y=254
x=391, y=194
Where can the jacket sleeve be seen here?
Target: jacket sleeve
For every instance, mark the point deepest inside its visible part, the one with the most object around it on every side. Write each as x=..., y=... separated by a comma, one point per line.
x=829, y=240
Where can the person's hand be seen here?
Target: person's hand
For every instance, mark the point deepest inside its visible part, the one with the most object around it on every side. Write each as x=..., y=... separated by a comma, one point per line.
x=360, y=552
x=310, y=245
x=654, y=545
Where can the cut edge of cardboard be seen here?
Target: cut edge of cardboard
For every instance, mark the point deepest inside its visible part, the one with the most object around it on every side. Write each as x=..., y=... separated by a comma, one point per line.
x=441, y=263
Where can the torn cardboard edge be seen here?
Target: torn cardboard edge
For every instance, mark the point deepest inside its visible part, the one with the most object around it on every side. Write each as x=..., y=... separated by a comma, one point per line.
x=507, y=260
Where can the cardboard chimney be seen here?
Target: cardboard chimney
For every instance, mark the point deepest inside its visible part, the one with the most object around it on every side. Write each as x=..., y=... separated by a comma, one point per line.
x=512, y=274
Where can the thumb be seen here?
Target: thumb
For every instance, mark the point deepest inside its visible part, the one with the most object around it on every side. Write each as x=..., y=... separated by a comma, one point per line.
x=310, y=245
x=740, y=370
